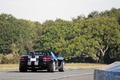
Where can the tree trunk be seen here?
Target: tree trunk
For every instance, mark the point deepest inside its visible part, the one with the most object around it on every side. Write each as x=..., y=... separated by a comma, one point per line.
x=101, y=53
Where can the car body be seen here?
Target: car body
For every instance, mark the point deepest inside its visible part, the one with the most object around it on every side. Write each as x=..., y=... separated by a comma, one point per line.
x=41, y=60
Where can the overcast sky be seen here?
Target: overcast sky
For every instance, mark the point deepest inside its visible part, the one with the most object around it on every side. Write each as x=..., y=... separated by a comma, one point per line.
x=42, y=10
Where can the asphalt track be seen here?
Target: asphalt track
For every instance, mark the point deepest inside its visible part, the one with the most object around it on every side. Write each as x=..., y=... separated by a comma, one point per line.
x=69, y=74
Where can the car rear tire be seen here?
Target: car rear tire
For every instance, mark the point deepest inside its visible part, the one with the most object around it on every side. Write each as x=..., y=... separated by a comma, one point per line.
x=62, y=66
x=34, y=70
x=22, y=70
x=52, y=67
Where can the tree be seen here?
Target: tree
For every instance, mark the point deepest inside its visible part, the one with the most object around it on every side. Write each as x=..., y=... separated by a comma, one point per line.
x=94, y=14
x=105, y=34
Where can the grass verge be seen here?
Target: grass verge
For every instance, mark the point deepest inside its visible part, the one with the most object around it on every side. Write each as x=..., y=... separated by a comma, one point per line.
x=83, y=65
x=4, y=67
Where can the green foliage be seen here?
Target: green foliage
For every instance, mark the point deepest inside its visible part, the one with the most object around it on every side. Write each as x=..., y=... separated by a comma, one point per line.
x=95, y=37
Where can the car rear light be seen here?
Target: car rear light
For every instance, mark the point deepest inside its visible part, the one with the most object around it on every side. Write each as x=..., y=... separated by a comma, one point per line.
x=46, y=58
x=22, y=59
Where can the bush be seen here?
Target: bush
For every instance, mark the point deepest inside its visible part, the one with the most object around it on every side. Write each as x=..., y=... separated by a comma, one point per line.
x=12, y=60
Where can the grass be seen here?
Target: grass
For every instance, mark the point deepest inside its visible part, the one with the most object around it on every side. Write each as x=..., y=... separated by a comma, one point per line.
x=83, y=65
x=67, y=66
x=9, y=67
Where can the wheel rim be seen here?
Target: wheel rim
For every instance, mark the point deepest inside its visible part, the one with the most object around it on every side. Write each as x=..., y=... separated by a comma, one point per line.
x=53, y=66
x=63, y=65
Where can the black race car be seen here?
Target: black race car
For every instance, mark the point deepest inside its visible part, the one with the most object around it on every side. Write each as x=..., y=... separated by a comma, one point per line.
x=41, y=60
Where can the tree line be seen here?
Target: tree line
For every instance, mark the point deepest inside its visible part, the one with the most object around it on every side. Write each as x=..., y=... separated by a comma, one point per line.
x=94, y=38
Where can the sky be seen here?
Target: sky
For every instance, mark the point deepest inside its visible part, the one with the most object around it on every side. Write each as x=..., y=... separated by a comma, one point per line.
x=42, y=10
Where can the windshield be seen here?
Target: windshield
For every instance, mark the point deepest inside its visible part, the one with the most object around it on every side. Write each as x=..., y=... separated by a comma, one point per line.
x=41, y=53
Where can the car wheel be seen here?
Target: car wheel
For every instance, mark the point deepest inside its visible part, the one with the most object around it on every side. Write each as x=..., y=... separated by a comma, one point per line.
x=34, y=70
x=62, y=67
x=22, y=70
x=52, y=67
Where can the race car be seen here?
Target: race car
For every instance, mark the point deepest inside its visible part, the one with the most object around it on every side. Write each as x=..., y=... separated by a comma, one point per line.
x=41, y=60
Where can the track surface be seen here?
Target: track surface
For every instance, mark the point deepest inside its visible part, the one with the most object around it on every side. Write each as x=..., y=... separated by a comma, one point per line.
x=70, y=74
